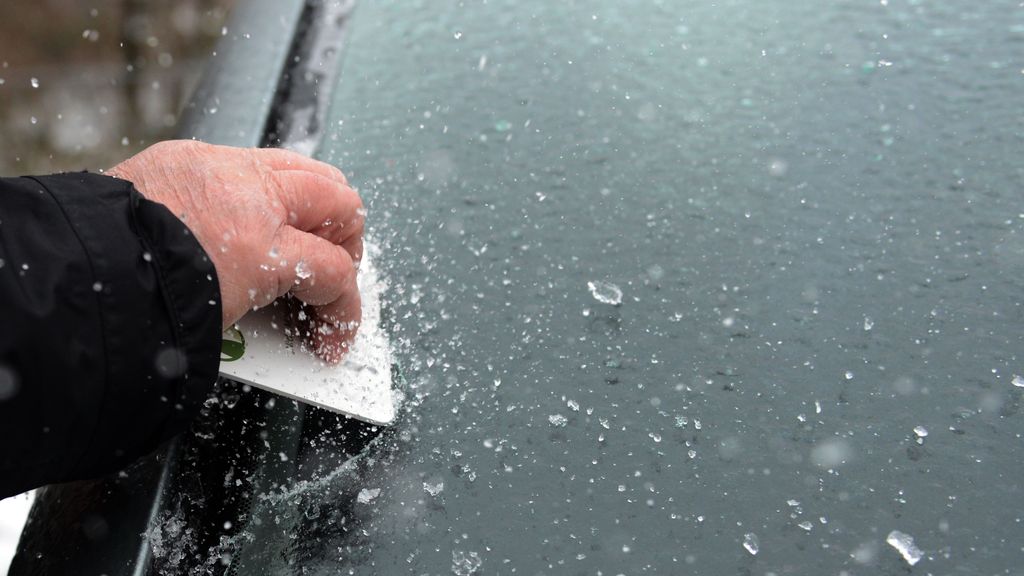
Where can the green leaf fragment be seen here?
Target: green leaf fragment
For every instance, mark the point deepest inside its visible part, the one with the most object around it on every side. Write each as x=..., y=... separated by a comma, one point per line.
x=232, y=346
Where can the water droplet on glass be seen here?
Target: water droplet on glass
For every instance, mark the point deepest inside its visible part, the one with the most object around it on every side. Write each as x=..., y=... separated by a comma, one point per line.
x=831, y=452
x=751, y=543
x=778, y=167
x=904, y=544
x=8, y=383
x=605, y=292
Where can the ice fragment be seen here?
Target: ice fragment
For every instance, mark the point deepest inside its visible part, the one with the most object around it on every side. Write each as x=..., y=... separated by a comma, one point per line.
x=751, y=543
x=904, y=544
x=465, y=563
x=367, y=495
x=605, y=292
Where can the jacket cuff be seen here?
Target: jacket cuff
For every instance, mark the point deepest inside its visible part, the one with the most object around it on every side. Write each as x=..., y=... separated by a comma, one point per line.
x=160, y=307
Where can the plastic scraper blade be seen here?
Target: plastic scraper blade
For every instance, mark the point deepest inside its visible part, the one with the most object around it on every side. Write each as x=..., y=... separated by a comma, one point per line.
x=359, y=386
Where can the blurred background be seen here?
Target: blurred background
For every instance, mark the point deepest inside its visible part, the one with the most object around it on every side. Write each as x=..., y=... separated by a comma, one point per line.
x=85, y=84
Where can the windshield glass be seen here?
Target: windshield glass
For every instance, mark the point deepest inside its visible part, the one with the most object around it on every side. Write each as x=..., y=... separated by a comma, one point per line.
x=688, y=287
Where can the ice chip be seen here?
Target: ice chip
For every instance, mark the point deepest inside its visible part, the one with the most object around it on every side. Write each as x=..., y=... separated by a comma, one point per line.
x=605, y=292
x=1018, y=381
x=433, y=489
x=465, y=563
x=367, y=495
x=904, y=544
x=557, y=420
x=751, y=543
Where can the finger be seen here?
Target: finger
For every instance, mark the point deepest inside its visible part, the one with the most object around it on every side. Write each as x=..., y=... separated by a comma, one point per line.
x=281, y=159
x=322, y=275
x=354, y=247
x=322, y=206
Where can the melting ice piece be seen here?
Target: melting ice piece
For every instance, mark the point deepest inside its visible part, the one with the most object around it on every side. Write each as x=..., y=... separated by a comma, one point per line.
x=1018, y=381
x=605, y=292
x=751, y=543
x=904, y=544
x=359, y=386
x=433, y=489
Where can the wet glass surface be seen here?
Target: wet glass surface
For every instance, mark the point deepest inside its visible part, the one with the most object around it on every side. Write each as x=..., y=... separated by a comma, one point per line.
x=813, y=215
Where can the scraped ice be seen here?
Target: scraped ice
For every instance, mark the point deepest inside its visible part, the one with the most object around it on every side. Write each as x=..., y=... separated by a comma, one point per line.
x=359, y=386
x=605, y=292
x=904, y=544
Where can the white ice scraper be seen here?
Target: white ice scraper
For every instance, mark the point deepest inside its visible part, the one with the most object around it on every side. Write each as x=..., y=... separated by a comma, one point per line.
x=359, y=386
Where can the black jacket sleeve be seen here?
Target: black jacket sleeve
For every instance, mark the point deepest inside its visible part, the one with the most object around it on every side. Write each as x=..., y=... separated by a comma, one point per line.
x=110, y=323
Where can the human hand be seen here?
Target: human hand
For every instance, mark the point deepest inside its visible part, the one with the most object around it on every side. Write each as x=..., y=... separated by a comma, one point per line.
x=273, y=222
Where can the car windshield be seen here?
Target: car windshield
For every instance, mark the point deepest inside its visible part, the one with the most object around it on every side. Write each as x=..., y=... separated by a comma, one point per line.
x=686, y=287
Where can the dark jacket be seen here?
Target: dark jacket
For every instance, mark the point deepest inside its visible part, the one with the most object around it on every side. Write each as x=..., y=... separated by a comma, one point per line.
x=110, y=324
